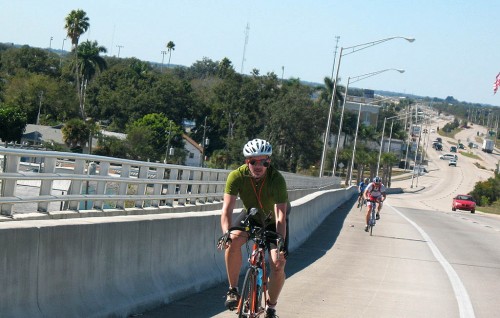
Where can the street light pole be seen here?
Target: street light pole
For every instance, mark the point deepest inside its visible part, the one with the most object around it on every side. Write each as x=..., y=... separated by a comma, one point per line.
x=356, y=138
x=382, y=141
x=408, y=111
x=390, y=137
x=351, y=49
x=329, y=121
x=356, y=79
x=380, y=149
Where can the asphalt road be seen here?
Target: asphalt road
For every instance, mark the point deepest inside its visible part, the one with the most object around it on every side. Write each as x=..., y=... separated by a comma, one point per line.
x=418, y=263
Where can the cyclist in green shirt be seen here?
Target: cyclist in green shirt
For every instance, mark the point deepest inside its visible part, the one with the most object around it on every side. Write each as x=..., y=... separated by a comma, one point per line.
x=259, y=185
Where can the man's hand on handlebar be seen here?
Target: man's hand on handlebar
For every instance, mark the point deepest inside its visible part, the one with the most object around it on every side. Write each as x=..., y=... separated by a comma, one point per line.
x=224, y=241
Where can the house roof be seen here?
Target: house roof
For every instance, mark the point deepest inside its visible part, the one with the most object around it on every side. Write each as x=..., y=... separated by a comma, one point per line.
x=39, y=133
x=192, y=142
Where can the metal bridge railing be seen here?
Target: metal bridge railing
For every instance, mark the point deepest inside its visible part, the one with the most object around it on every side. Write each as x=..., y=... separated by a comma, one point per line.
x=46, y=181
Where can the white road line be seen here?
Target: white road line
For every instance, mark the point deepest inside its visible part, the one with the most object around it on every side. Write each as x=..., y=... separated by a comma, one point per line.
x=464, y=303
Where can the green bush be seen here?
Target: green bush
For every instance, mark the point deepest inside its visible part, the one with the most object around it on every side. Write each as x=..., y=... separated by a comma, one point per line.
x=487, y=192
x=484, y=201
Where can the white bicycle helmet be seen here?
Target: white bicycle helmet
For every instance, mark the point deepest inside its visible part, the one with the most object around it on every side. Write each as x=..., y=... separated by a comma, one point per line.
x=257, y=147
x=377, y=180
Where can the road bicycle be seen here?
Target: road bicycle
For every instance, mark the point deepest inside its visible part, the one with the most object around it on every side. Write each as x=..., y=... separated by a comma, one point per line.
x=373, y=215
x=254, y=297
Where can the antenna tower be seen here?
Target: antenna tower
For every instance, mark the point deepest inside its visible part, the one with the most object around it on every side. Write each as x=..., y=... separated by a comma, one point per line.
x=247, y=31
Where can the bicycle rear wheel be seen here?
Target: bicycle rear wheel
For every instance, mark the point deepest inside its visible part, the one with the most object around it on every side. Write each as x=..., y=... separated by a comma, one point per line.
x=372, y=220
x=249, y=301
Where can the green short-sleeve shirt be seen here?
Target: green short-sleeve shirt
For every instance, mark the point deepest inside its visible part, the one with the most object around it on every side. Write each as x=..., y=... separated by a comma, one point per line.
x=272, y=190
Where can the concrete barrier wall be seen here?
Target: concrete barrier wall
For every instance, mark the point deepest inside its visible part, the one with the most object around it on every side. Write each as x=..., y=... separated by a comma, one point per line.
x=117, y=266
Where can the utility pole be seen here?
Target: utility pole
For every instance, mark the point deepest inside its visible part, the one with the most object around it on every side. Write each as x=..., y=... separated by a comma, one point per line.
x=119, y=48
x=39, y=107
x=204, y=143
x=169, y=151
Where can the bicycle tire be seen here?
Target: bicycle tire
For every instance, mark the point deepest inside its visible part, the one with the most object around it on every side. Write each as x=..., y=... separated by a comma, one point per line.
x=372, y=218
x=248, y=305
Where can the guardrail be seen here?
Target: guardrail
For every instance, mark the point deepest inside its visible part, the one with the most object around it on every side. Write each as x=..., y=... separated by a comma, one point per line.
x=54, y=181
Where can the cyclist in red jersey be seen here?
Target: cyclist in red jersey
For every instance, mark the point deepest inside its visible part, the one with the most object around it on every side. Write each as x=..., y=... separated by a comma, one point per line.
x=375, y=191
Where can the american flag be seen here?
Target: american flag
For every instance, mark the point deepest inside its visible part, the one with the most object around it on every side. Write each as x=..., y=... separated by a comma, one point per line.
x=496, y=84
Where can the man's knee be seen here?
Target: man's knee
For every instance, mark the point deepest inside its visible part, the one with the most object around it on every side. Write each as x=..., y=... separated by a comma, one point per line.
x=279, y=265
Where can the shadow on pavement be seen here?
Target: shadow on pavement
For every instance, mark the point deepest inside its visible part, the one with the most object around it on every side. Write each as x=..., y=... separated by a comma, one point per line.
x=210, y=302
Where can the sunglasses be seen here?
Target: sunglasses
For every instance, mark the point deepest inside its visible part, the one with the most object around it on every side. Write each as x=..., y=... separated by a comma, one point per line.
x=261, y=162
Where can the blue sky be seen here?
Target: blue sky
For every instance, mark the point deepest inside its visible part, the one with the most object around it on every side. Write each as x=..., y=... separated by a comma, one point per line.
x=456, y=52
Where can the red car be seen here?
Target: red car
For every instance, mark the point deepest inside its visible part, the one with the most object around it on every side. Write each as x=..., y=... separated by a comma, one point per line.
x=464, y=202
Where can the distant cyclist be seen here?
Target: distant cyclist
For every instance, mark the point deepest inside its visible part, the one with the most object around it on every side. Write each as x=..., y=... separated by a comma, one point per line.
x=375, y=191
x=361, y=190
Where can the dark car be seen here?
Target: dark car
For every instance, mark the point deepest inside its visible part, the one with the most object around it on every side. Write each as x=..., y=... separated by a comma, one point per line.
x=461, y=146
x=464, y=202
x=453, y=149
x=436, y=145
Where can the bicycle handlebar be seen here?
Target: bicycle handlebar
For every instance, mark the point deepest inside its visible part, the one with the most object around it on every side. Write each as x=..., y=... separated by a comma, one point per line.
x=253, y=231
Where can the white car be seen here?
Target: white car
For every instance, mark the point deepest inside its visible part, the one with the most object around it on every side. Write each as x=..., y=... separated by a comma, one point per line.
x=452, y=162
x=448, y=156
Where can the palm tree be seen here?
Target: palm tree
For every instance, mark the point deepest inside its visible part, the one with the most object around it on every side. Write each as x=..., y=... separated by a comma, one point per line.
x=326, y=92
x=75, y=134
x=361, y=159
x=77, y=23
x=388, y=159
x=89, y=60
x=170, y=48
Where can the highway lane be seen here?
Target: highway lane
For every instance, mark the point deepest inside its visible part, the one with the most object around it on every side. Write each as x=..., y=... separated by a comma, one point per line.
x=347, y=273
x=343, y=272
x=423, y=261
x=469, y=244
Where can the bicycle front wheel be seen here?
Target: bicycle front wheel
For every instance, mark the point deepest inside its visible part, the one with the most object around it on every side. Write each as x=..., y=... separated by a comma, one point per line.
x=250, y=299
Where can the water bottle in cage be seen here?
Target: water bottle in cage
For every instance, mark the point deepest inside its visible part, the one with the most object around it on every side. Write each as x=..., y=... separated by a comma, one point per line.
x=259, y=277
